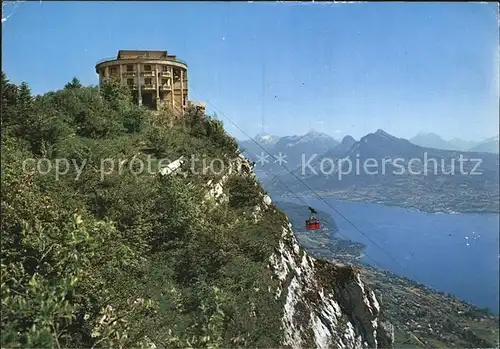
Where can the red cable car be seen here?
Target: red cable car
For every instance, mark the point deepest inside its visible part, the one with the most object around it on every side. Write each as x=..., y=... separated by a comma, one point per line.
x=313, y=223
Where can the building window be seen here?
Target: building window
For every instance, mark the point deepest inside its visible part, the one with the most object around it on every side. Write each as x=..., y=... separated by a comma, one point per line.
x=147, y=67
x=164, y=82
x=130, y=82
x=130, y=67
x=147, y=81
x=113, y=71
x=165, y=68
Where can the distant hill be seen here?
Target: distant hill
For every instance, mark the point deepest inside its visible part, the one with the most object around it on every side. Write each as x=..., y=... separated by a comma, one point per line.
x=261, y=138
x=346, y=143
x=312, y=141
x=291, y=148
x=432, y=140
x=252, y=148
x=489, y=145
x=296, y=147
x=461, y=144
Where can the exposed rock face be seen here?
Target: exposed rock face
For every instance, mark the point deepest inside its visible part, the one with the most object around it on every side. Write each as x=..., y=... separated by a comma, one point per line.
x=325, y=305
x=172, y=167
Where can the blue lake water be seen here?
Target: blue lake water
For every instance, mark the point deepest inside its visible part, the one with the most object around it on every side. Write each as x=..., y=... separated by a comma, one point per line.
x=452, y=253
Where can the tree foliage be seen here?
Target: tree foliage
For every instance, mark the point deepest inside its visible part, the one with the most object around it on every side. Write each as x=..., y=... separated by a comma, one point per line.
x=74, y=83
x=97, y=256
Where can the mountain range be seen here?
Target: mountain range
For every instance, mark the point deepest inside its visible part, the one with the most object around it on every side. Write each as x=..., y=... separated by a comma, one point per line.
x=432, y=140
x=290, y=148
x=489, y=145
x=407, y=174
x=314, y=142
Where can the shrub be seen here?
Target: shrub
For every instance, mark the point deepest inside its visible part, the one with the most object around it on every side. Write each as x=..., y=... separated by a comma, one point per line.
x=243, y=192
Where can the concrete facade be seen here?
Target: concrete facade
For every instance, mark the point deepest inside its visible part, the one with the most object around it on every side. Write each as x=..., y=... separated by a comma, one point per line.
x=156, y=78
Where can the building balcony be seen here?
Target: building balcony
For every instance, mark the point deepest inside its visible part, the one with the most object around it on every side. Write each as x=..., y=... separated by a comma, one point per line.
x=149, y=87
x=148, y=73
x=165, y=74
x=177, y=85
x=165, y=87
x=132, y=87
x=129, y=73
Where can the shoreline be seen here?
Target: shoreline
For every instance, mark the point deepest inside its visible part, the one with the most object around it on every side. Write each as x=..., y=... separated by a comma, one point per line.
x=385, y=202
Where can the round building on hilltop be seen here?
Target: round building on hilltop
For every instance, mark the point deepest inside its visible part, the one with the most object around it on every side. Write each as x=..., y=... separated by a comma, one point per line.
x=156, y=78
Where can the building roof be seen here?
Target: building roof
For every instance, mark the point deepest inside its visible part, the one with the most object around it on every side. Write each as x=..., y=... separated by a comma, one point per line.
x=134, y=54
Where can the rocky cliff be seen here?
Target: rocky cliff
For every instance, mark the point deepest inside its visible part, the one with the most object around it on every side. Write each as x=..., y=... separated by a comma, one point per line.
x=325, y=304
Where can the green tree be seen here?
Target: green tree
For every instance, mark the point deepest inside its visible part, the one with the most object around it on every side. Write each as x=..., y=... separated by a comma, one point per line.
x=74, y=83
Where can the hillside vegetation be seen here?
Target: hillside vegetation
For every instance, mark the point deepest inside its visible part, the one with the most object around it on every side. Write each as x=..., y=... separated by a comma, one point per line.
x=127, y=258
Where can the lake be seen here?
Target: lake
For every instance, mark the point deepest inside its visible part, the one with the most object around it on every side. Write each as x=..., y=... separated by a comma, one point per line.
x=452, y=253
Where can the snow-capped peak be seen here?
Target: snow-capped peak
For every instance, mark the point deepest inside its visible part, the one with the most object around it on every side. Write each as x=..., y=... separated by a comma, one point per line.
x=265, y=138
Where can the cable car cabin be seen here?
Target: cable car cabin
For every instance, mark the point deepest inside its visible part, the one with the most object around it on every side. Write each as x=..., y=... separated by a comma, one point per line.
x=313, y=224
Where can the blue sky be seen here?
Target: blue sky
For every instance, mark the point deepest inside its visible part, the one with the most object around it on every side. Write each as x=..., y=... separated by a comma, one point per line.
x=337, y=68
